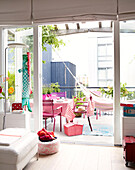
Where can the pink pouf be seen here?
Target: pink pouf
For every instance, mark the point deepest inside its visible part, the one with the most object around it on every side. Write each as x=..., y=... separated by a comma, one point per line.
x=46, y=148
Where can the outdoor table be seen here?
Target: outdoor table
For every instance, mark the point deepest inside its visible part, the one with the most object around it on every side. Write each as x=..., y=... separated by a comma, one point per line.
x=67, y=108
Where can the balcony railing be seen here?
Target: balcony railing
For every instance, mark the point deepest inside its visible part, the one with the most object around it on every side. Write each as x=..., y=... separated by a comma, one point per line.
x=73, y=91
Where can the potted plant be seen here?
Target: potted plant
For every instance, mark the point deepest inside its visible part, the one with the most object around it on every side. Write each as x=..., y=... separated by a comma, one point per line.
x=80, y=97
x=109, y=92
x=55, y=87
x=46, y=91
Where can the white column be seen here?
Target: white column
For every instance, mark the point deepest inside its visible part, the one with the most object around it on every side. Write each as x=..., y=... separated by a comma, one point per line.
x=116, y=93
x=38, y=117
x=2, y=61
x=3, y=45
x=1, y=52
x=18, y=65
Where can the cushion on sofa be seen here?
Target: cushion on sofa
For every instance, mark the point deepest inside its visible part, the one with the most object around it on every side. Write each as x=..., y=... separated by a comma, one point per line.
x=18, y=150
x=11, y=135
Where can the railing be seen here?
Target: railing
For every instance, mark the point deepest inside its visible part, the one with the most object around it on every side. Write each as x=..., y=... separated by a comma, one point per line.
x=73, y=91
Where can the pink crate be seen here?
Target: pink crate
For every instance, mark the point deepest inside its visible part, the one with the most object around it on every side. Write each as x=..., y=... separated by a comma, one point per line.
x=72, y=129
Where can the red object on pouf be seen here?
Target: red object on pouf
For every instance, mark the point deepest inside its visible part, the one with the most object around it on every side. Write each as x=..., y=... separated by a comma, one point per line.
x=45, y=136
x=72, y=129
x=0, y=89
x=129, y=149
x=17, y=106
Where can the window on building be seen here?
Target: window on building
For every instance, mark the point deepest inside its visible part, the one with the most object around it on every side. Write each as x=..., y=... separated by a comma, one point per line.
x=104, y=61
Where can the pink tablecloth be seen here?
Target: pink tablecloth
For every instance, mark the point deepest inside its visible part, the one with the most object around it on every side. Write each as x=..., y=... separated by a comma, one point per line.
x=67, y=108
x=91, y=107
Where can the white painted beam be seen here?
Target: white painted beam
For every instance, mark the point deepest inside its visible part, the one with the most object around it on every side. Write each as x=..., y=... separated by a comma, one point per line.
x=38, y=117
x=116, y=93
x=1, y=52
x=2, y=61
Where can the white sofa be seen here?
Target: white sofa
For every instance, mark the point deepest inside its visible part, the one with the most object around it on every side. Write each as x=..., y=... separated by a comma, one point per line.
x=16, y=150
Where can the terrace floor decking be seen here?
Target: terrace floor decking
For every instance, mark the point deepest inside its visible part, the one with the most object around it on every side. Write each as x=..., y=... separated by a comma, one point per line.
x=85, y=139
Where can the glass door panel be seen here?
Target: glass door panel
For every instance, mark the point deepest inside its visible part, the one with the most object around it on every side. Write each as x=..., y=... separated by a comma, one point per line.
x=18, y=67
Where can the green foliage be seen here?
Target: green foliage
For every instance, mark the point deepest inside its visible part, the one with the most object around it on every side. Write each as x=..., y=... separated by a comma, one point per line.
x=3, y=94
x=55, y=87
x=79, y=97
x=80, y=94
x=22, y=29
x=108, y=92
x=48, y=37
x=123, y=91
x=47, y=89
x=11, y=81
x=43, y=61
x=131, y=95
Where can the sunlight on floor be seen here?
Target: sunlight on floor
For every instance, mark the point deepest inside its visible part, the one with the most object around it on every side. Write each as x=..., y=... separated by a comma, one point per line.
x=85, y=139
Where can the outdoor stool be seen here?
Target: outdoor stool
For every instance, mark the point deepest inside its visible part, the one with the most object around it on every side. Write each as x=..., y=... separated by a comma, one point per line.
x=46, y=148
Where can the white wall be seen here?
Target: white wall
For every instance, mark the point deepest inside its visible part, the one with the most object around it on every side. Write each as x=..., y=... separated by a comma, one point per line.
x=127, y=58
x=75, y=51
x=92, y=60
x=81, y=49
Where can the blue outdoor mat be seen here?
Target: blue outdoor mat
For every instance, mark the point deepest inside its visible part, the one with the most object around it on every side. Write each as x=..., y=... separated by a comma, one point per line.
x=98, y=130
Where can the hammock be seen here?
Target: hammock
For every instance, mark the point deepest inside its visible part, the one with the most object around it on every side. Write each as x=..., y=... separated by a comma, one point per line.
x=101, y=103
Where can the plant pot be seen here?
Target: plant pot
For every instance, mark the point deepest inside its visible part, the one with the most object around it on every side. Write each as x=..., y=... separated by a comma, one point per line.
x=78, y=114
x=46, y=96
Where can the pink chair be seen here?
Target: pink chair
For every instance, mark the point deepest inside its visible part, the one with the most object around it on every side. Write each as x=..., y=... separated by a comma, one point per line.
x=83, y=109
x=50, y=112
x=60, y=94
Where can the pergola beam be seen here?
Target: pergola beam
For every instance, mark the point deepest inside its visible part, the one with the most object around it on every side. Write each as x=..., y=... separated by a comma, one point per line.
x=67, y=27
x=78, y=26
x=61, y=32
x=100, y=24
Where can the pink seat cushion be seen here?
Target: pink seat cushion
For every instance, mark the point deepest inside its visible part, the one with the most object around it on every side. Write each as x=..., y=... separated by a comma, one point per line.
x=46, y=114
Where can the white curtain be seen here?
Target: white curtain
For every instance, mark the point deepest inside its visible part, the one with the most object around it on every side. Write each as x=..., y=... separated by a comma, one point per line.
x=15, y=12
x=47, y=11
x=126, y=9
